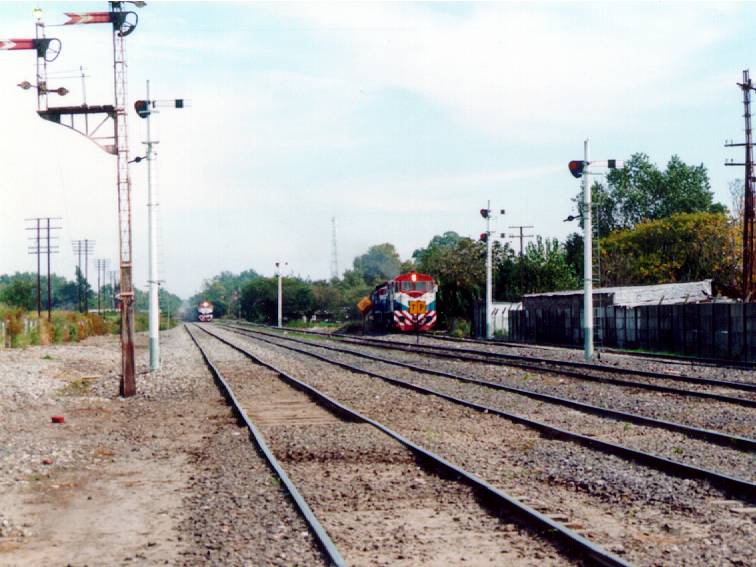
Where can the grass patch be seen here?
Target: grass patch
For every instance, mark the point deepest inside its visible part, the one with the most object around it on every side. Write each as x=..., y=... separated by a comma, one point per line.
x=77, y=387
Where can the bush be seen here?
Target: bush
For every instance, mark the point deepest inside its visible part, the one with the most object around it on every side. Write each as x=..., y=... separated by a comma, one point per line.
x=460, y=328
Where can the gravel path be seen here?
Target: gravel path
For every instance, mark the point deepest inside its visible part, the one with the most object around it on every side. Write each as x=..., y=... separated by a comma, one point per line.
x=377, y=504
x=649, y=517
x=672, y=445
x=708, y=414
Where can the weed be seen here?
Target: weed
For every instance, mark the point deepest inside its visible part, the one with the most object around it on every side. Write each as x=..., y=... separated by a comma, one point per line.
x=77, y=387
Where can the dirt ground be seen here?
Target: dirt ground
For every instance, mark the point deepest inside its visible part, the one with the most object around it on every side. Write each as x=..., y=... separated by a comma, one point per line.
x=122, y=482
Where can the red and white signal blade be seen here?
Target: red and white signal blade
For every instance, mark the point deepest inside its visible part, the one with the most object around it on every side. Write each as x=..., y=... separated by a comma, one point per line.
x=87, y=18
x=17, y=44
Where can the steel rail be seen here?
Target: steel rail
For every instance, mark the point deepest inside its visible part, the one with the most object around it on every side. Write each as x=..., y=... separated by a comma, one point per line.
x=494, y=497
x=321, y=536
x=652, y=356
x=745, y=386
x=718, y=437
x=734, y=486
x=512, y=360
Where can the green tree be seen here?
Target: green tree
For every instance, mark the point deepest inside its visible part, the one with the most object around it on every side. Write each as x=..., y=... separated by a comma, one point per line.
x=223, y=291
x=458, y=264
x=259, y=299
x=379, y=263
x=19, y=292
x=640, y=191
x=683, y=247
x=543, y=267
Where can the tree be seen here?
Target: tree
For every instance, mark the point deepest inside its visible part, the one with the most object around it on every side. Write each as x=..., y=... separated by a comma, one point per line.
x=641, y=192
x=543, y=267
x=458, y=264
x=684, y=247
x=379, y=263
x=573, y=249
x=223, y=291
x=19, y=293
x=736, y=188
x=259, y=299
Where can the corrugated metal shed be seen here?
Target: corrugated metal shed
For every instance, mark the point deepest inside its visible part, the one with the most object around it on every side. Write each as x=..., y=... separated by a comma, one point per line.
x=627, y=296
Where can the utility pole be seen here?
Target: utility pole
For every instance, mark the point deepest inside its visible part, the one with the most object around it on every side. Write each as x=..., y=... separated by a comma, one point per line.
x=521, y=236
x=582, y=168
x=85, y=247
x=102, y=266
x=747, y=285
x=280, y=293
x=145, y=108
x=43, y=244
x=38, y=251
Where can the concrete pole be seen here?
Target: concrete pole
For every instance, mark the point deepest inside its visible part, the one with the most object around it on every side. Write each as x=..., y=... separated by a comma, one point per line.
x=489, y=283
x=153, y=276
x=587, y=258
x=280, y=297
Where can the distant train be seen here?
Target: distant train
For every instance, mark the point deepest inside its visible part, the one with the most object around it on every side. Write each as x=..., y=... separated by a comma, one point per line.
x=406, y=303
x=205, y=310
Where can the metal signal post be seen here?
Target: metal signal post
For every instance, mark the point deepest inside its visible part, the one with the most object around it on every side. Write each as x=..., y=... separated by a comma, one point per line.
x=581, y=168
x=486, y=237
x=280, y=293
x=145, y=108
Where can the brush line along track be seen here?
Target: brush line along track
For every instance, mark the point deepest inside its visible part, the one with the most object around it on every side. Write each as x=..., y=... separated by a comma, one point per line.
x=734, y=486
x=537, y=364
x=495, y=498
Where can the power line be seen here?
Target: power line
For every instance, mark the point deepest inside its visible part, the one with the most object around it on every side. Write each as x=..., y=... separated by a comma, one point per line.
x=43, y=245
x=85, y=247
x=521, y=236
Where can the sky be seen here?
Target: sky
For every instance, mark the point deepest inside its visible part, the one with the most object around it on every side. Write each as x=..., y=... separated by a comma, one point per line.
x=399, y=120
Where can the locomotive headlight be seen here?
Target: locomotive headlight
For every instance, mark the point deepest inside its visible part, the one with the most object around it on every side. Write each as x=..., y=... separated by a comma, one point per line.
x=414, y=277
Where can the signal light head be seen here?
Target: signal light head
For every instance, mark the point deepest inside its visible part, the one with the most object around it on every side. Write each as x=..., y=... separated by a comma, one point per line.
x=484, y=237
x=576, y=168
x=142, y=108
x=484, y=213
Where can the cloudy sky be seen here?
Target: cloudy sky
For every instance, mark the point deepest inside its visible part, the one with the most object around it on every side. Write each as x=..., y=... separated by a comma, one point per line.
x=399, y=119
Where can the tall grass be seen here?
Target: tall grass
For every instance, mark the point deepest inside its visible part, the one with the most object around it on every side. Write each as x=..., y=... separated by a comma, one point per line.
x=23, y=328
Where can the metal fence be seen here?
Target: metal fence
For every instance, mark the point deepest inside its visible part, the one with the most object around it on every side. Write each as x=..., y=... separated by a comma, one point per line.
x=706, y=330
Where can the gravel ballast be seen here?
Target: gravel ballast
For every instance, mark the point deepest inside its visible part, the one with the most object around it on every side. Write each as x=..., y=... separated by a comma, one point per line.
x=377, y=504
x=646, y=515
x=676, y=446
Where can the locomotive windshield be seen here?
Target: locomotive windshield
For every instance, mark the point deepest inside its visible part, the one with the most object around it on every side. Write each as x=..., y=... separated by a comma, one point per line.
x=415, y=286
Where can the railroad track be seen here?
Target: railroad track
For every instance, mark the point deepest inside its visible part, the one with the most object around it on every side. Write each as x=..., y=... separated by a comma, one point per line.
x=737, y=487
x=675, y=359
x=439, y=473
x=581, y=371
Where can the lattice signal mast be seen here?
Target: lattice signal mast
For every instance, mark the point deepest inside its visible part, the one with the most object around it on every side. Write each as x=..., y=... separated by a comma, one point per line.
x=747, y=285
x=77, y=118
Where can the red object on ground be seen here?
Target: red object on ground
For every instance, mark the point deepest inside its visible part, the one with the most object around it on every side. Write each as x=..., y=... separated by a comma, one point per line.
x=47, y=461
x=58, y=419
